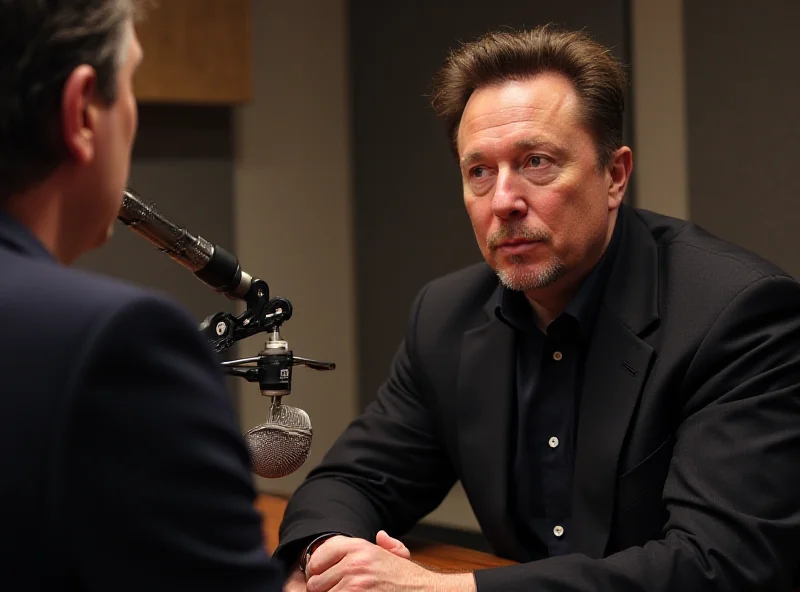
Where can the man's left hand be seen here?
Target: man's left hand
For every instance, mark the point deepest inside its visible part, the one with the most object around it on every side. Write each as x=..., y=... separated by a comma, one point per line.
x=355, y=565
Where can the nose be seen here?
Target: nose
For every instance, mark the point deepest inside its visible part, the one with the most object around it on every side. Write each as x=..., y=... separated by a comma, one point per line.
x=508, y=201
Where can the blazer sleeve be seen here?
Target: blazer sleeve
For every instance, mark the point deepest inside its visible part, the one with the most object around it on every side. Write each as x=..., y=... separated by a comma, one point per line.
x=733, y=489
x=387, y=470
x=153, y=474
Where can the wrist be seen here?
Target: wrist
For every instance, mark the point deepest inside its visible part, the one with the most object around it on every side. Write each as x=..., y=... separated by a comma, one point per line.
x=457, y=582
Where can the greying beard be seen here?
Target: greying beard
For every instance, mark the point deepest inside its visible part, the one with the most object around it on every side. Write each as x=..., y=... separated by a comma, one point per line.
x=516, y=278
x=523, y=281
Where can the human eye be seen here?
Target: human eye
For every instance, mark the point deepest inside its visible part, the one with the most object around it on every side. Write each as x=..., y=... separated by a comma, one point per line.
x=539, y=169
x=478, y=172
x=537, y=161
x=479, y=178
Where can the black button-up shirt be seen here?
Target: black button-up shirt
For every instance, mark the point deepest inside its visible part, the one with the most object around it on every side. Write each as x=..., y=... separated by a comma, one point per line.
x=549, y=372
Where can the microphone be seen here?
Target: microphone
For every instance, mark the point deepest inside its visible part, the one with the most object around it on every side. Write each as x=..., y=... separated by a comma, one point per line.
x=279, y=446
x=208, y=262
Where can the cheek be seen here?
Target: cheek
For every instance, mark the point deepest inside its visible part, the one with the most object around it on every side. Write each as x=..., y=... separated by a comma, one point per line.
x=553, y=210
x=582, y=219
x=560, y=212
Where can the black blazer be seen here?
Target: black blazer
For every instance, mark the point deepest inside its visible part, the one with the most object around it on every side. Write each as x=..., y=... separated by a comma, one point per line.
x=121, y=462
x=687, y=471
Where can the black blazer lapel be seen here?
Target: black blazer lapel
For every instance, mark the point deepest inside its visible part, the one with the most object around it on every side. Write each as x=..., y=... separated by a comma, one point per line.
x=486, y=393
x=617, y=366
x=615, y=373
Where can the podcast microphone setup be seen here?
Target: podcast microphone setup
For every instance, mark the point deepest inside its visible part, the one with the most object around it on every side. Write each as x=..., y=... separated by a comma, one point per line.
x=279, y=446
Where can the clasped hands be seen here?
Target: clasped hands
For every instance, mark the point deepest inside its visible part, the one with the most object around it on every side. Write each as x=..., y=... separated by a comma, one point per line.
x=343, y=564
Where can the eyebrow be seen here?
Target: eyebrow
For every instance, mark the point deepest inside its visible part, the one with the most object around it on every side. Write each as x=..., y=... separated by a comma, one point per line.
x=521, y=146
x=470, y=158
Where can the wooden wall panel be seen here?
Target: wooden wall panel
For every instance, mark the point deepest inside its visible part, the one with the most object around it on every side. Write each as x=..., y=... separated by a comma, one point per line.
x=196, y=51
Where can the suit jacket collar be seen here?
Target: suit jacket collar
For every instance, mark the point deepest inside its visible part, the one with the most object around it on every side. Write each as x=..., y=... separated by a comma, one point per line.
x=615, y=372
x=632, y=291
x=16, y=236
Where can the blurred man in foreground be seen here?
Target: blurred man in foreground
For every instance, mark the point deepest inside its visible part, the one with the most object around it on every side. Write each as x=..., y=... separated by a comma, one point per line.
x=122, y=463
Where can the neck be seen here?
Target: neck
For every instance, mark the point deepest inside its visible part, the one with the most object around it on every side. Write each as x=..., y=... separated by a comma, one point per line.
x=547, y=307
x=41, y=210
x=550, y=301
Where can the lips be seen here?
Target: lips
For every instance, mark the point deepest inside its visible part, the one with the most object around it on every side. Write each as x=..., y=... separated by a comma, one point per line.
x=515, y=247
x=516, y=241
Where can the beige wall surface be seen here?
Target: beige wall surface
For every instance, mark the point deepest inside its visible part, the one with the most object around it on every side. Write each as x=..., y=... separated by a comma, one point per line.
x=660, y=155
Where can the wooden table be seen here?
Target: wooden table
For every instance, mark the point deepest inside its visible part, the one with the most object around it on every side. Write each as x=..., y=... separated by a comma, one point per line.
x=438, y=556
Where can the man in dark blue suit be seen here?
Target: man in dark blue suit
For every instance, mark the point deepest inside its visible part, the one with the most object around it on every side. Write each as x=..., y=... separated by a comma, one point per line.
x=121, y=462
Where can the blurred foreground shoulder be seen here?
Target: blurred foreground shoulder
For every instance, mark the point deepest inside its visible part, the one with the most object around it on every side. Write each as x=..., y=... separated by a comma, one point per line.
x=153, y=472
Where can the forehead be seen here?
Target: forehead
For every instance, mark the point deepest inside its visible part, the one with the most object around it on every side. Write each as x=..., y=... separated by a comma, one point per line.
x=546, y=106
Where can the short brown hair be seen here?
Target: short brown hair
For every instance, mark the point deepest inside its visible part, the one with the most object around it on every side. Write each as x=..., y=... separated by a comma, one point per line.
x=41, y=43
x=500, y=56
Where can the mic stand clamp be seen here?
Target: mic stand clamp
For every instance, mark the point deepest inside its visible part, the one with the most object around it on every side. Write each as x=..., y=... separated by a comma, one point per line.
x=223, y=329
x=272, y=367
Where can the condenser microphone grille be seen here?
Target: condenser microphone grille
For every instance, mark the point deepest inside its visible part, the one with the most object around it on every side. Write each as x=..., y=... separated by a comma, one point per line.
x=281, y=445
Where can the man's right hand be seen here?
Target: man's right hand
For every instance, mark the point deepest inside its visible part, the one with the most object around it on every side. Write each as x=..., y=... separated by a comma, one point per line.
x=297, y=579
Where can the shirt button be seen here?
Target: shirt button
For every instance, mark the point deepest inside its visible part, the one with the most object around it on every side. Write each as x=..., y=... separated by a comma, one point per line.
x=557, y=356
x=553, y=442
x=558, y=530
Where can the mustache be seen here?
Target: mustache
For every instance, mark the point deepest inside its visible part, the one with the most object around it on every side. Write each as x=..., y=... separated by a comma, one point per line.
x=516, y=232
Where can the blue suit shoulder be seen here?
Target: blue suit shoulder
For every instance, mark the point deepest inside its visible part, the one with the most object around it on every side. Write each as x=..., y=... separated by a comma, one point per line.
x=84, y=293
x=67, y=306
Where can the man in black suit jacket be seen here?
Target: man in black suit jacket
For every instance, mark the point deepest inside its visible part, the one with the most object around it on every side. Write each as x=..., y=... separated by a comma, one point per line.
x=617, y=391
x=121, y=462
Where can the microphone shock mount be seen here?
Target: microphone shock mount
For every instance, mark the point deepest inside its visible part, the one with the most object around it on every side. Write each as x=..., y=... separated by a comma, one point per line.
x=289, y=427
x=272, y=367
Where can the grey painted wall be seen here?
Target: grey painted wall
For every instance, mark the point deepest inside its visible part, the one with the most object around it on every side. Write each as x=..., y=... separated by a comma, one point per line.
x=411, y=225
x=743, y=92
